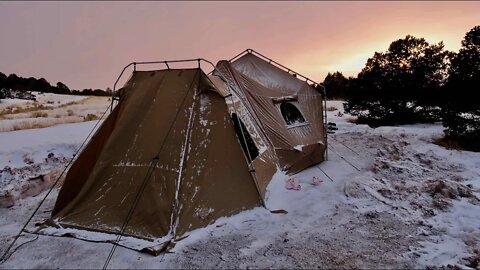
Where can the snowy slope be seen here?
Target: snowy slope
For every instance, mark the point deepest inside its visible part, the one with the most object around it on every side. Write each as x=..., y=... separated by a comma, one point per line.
x=386, y=198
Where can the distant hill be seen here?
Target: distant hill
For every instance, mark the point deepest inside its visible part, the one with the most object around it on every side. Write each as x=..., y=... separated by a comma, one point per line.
x=17, y=83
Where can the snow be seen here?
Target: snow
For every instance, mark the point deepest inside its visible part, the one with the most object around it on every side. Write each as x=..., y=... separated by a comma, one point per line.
x=46, y=99
x=39, y=142
x=298, y=147
x=12, y=101
x=56, y=99
x=31, y=160
x=385, y=198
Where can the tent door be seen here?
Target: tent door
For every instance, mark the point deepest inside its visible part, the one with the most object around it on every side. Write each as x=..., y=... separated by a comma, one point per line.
x=250, y=149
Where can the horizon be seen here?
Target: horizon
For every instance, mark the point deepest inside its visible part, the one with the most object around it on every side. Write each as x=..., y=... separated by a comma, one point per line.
x=86, y=44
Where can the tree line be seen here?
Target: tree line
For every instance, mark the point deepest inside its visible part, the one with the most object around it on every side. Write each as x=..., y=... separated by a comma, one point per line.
x=17, y=83
x=417, y=82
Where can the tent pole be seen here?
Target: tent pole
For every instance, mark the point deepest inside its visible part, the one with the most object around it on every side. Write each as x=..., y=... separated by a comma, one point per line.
x=153, y=62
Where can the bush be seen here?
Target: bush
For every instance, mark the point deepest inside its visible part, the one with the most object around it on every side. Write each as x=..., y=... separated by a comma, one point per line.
x=90, y=117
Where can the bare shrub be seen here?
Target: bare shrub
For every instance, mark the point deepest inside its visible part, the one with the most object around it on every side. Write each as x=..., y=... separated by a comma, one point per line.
x=90, y=117
x=331, y=108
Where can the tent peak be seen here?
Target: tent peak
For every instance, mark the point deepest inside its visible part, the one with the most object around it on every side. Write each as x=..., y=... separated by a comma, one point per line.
x=275, y=63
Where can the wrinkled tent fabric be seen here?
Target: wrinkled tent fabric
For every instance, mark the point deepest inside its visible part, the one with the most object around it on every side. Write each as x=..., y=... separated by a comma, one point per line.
x=177, y=117
x=259, y=86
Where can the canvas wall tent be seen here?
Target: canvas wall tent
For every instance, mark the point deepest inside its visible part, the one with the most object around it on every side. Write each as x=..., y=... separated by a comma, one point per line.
x=170, y=152
x=171, y=132
x=283, y=114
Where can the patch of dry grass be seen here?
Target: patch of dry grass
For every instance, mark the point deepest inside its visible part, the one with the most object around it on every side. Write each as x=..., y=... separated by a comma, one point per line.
x=21, y=125
x=69, y=104
x=31, y=115
x=15, y=109
x=39, y=114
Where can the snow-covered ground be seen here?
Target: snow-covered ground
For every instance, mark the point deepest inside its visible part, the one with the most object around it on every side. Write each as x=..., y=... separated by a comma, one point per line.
x=385, y=198
x=26, y=155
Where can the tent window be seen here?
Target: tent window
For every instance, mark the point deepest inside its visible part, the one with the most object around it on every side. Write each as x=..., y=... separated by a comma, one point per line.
x=291, y=114
x=250, y=145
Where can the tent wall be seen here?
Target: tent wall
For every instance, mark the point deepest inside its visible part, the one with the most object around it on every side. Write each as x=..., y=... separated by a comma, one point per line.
x=83, y=165
x=259, y=84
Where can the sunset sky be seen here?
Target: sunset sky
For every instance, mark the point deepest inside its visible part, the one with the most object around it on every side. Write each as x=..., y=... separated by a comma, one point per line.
x=86, y=44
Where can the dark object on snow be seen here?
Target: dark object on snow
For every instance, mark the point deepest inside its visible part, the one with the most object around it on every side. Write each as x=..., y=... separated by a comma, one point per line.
x=41, y=177
x=331, y=126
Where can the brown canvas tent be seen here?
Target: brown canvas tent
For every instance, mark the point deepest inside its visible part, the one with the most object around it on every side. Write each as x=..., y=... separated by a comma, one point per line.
x=169, y=158
x=283, y=115
x=172, y=133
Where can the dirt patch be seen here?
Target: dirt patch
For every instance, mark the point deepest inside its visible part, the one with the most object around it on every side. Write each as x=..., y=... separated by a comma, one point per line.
x=375, y=240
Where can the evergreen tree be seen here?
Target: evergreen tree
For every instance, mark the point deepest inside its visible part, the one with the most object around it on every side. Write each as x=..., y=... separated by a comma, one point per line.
x=461, y=112
x=336, y=85
x=401, y=85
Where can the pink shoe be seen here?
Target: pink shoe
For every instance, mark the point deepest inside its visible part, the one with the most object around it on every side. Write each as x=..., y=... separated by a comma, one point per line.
x=292, y=184
x=316, y=181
